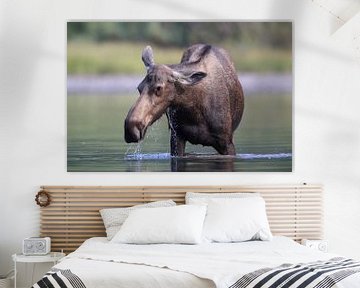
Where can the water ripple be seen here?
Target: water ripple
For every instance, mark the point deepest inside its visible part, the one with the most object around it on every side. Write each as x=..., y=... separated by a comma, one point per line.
x=247, y=156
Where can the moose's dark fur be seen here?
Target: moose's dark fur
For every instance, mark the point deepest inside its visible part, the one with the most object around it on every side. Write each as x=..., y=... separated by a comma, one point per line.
x=202, y=98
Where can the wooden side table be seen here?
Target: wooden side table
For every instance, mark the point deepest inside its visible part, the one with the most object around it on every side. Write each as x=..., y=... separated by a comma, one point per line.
x=53, y=257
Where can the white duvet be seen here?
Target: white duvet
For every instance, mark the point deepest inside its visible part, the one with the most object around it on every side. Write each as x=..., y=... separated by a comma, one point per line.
x=100, y=263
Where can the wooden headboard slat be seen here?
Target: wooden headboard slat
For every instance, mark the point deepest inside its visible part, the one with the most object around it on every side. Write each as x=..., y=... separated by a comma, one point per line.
x=73, y=215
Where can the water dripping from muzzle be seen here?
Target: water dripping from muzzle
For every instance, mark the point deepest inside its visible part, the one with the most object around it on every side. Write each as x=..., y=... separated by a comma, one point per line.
x=134, y=149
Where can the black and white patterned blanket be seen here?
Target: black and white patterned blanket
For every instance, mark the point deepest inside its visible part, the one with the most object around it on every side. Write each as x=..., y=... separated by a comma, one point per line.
x=59, y=278
x=320, y=274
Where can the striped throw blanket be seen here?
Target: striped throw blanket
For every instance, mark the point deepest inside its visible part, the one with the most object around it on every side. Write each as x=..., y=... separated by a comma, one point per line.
x=59, y=278
x=320, y=274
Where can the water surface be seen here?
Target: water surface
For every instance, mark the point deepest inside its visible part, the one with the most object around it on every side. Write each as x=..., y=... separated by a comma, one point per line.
x=263, y=140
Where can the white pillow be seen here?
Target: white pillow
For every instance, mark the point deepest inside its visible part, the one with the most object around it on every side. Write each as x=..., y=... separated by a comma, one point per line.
x=113, y=218
x=204, y=198
x=236, y=220
x=180, y=224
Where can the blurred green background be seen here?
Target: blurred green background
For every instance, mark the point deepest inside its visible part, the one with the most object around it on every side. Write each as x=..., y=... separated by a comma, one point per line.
x=94, y=47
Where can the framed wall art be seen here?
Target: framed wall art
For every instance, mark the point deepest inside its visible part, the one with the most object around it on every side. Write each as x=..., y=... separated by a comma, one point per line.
x=179, y=96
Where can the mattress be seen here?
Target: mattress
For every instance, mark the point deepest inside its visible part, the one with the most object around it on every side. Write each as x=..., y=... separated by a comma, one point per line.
x=99, y=263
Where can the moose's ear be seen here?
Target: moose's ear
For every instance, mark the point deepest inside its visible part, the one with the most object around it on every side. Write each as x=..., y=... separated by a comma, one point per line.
x=191, y=78
x=148, y=57
x=195, y=53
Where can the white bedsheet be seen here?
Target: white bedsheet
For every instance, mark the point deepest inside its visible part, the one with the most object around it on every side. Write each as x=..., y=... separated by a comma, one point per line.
x=102, y=264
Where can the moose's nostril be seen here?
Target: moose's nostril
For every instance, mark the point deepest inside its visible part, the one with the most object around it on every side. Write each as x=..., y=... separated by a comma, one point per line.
x=134, y=130
x=132, y=135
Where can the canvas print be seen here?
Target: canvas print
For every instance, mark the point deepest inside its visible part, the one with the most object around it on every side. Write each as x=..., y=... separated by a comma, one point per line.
x=179, y=96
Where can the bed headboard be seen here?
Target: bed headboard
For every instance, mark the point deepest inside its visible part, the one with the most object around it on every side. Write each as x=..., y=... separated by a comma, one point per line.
x=73, y=214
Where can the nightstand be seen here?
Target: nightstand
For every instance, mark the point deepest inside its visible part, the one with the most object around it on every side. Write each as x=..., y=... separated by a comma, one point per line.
x=53, y=257
x=320, y=245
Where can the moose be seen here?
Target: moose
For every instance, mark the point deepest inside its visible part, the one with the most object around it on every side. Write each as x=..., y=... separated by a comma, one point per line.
x=201, y=97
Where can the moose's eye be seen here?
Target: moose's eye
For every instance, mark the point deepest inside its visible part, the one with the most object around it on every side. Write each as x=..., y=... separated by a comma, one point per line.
x=158, y=90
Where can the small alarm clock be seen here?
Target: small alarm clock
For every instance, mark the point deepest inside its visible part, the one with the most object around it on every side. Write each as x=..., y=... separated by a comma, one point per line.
x=36, y=246
x=320, y=245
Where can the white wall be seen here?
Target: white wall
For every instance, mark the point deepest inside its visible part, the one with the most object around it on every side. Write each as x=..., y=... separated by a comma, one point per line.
x=33, y=108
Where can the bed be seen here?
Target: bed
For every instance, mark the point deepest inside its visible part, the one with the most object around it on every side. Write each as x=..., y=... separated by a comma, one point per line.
x=294, y=211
